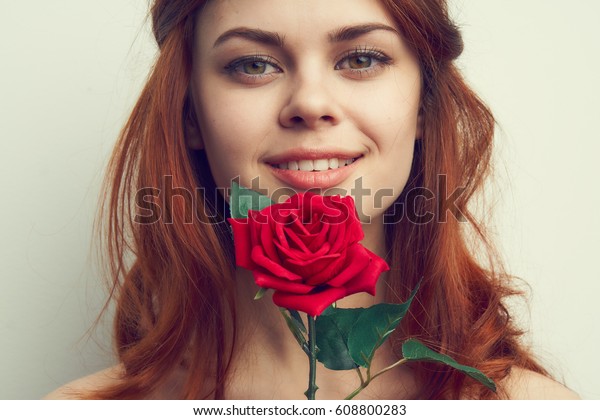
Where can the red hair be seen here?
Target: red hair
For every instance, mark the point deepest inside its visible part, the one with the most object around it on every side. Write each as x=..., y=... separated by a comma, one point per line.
x=174, y=282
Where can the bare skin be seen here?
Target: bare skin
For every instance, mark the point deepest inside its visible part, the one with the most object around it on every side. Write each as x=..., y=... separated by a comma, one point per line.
x=520, y=385
x=273, y=367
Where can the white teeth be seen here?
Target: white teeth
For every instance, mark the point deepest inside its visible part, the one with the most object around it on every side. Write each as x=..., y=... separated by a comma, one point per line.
x=306, y=165
x=321, y=164
x=315, y=165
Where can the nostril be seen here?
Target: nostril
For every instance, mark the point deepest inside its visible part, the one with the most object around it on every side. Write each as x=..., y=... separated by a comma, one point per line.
x=297, y=120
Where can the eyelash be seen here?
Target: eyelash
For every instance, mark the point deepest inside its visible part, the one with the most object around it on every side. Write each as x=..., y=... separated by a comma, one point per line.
x=380, y=58
x=372, y=53
x=233, y=67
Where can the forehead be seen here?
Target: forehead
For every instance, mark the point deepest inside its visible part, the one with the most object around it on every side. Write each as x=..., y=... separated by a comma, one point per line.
x=309, y=19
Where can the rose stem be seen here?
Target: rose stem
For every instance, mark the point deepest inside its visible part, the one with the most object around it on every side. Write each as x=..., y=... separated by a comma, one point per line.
x=312, y=358
x=366, y=382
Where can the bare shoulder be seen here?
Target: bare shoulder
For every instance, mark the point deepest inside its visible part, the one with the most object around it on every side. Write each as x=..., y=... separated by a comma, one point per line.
x=74, y=390
x=524, y=384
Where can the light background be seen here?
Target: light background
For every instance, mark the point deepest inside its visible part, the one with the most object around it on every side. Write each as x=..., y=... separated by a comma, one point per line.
x=71, y=69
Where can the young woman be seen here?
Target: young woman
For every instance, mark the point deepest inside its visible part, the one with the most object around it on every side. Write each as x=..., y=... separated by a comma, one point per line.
x=359, y=96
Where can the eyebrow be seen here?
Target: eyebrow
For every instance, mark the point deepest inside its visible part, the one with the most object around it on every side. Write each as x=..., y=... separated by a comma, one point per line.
x=346, y=33
x=257, y=35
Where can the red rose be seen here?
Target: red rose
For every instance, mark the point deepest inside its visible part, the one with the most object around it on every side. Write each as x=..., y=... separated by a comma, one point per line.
x=307, y=251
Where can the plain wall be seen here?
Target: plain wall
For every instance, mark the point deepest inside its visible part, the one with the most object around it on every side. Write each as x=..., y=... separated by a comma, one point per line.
x=71, y=69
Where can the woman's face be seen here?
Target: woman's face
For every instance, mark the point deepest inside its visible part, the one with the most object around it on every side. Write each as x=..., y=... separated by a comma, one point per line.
x=304, y=94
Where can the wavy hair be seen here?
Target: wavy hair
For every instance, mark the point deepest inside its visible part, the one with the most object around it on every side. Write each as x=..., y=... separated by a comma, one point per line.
x=173, y=282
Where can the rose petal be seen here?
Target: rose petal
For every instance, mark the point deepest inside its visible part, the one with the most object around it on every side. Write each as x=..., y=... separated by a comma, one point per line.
x=300, y=228
x=281, y=214
x=336, y=238
x=354, y=231
x=243, y=243
x=347, y=218
x=255, y=227
x=295, y=201
x=316, y=240
x=257, y=217
x=260, y=259
x=357, y=260
x=335, y=210
x=322, y=250
x=326, y=273
x=280, y=233
x=293, y=237
x=306, y=260
x=268, y=281
x=314, y=227
x=313, y=303
x=317, y=271
x=303, y=264
x=367, y=281
x=321, y=237
x=312, y=208
x=267, y=242
x=289, y=253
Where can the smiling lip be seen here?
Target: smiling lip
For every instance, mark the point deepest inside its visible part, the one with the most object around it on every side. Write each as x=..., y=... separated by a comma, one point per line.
x=306, y=180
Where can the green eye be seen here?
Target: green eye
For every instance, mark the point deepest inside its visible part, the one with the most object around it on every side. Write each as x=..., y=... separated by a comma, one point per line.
x=254, y=67
x=359, y=62
x=363, y=62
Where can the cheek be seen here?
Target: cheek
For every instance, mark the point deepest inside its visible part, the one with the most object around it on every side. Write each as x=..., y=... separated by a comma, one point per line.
x=387, y=110
x=391, y=115
x=231, y=131
x=391, y=122
x=219, y=144
x=393, y=131
x=224, y=122
x=396, y=143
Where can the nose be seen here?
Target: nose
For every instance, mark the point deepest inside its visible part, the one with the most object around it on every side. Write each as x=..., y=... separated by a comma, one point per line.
x=311, y=103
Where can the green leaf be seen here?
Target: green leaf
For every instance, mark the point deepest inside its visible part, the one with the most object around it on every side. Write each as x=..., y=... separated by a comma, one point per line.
x=261, y=292
x=374, y=326
x=243, y=200
x=417, y=351
x=333, y=327
x=293, y=326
